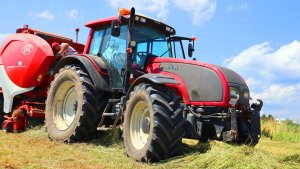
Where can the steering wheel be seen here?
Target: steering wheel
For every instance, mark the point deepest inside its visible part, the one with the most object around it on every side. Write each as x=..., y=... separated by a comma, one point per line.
x=141, y=54
x=141, y=57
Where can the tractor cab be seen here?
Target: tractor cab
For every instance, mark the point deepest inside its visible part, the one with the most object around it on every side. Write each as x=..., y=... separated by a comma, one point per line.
x=125, y=43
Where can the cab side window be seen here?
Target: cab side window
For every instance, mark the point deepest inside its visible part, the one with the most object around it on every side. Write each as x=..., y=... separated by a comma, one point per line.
x=141, y=47
x=96, y=42
x=177, y=48
x=160, y=47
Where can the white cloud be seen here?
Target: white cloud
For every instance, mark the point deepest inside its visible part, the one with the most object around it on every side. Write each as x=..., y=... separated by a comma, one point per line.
x=46, y=14
x=73, y=13
x=232, y=8
x=243, y=6
x=3, y=36
x=279, y=94
x=273, y=75
x=200, y=10
x=284, y=63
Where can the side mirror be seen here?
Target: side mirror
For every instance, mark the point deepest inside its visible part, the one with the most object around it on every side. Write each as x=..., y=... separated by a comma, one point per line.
x=191, y=49
x=115, y=28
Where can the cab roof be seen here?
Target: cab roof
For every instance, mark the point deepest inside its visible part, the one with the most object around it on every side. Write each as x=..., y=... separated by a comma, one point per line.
x=107, y=21
x=100, y=22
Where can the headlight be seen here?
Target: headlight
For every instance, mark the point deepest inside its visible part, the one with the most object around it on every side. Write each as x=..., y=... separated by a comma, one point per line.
x=234, y=91
x=234, y=96
x=246, y=95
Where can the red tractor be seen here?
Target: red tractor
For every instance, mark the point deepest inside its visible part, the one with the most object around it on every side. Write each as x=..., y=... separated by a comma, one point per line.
x=129, y=73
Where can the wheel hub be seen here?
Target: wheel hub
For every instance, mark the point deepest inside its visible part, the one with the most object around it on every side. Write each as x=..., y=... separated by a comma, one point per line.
x=65, y=102
x=146, y=125
x=140, y=125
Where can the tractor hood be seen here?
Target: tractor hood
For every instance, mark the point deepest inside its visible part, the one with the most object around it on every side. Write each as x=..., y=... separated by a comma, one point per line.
x=203, y=82
x=231, y=76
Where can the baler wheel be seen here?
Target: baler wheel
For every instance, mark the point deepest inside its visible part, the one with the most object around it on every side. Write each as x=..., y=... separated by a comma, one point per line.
x=73, y=106
x=153, y=124
x=8, y=129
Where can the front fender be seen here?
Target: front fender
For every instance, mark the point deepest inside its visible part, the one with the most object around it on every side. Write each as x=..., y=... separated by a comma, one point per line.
x=153, y=79
x=158, y=79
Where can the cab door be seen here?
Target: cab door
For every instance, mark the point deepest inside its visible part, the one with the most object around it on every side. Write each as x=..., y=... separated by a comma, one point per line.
x=113, y=52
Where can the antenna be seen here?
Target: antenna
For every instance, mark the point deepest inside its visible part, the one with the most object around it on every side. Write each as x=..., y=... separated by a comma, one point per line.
x=77, y=30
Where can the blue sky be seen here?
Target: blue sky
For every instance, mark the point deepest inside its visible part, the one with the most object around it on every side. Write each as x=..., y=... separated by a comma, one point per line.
x=258, y=39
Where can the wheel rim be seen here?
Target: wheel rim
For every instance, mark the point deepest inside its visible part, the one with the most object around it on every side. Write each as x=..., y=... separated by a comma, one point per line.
x=65, y=105
x=140, y=125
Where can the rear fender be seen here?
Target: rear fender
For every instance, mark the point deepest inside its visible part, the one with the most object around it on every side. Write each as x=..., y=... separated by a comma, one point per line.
x=100, y=79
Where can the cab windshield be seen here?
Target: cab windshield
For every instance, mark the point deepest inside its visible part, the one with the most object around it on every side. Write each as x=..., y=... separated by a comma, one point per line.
x=150, y=40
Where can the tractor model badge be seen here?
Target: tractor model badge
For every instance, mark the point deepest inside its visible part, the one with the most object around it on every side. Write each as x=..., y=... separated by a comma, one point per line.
x=173, y=67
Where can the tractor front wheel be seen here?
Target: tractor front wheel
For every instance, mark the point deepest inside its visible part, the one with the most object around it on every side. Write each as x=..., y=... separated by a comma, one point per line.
x=72, y=107
x=153, y=124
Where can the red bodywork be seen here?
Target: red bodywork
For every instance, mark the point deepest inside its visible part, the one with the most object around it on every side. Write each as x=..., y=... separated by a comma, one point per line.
x=153, y=66
x=27, y=57
x=18, y=120
x=17, y=123
x=50, y=38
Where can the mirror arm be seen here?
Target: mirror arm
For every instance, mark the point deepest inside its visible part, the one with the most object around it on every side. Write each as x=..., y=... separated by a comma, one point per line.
x=194, y=45
x=128, y=68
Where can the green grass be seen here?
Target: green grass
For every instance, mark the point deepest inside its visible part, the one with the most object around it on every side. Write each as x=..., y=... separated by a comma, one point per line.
x=32, y=149
x=284, y=131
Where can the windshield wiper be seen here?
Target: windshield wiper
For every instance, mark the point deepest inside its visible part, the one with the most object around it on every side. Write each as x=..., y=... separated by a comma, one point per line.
x=164, y=52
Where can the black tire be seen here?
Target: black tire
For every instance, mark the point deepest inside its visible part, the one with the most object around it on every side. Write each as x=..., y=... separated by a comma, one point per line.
x=72, y=85
x=165, y=124
x=1, y=110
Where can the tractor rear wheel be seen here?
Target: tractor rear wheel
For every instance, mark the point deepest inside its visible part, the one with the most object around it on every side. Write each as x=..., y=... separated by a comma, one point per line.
x=73, y=107
x=153, y=124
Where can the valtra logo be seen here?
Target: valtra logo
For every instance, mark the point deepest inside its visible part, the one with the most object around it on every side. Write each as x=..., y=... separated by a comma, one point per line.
x=27, y=49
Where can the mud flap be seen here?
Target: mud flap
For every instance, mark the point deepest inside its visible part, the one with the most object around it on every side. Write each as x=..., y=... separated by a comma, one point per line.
x=255, y=120
x=255, y=126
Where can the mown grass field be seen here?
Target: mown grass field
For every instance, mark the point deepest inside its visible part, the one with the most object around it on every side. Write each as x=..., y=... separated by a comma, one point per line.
x=32, y=149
